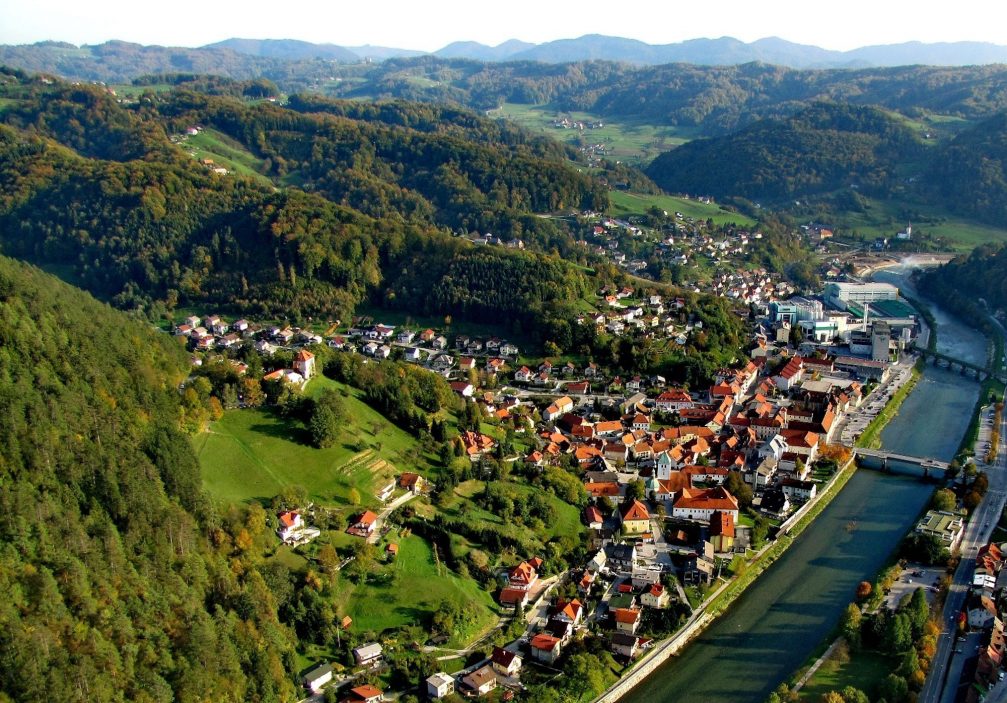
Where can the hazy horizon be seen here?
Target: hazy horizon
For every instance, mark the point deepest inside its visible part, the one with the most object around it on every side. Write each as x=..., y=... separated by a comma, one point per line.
x=430, y=26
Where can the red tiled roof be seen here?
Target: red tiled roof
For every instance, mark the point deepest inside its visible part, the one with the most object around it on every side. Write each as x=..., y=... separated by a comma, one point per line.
x=598, y=488
x=707, y=499
x=366, y=691
x=635, y=511
x=545, y=643
x=626, y=615
x=510, y=596
x=287, y=519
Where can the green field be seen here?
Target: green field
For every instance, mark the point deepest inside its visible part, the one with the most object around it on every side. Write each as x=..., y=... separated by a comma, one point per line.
x=466, y=506
x=251, y=454
x=226, y=152
x=636, y=143
x=864, y=670
x=883, y=218
x=624, y=203
x=409, y=589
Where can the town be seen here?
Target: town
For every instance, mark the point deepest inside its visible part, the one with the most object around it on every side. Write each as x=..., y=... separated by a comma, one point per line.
x=682, y=485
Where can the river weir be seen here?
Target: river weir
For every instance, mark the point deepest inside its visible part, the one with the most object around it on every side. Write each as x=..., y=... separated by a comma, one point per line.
x=770, y=631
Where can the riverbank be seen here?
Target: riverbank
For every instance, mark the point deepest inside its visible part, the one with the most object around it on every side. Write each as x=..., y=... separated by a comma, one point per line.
x=726, y=594
x=870, y=438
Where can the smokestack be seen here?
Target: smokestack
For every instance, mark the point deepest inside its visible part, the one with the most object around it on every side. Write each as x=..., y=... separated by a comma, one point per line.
x=867, y=306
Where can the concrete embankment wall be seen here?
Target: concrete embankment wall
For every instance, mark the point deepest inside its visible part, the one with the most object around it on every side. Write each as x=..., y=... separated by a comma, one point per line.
x=646, y=667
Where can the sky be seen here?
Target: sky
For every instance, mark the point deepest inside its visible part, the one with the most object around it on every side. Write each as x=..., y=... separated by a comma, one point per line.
x=428, y=25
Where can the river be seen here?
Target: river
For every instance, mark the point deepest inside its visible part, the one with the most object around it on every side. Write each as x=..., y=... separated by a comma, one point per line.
x=773, y=627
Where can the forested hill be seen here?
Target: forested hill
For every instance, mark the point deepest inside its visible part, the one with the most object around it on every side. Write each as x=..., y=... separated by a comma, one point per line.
x=350, y=204
x=111, y=590
x=971, y=172
x=962, y=282
x=825, y=147
x=711, y=100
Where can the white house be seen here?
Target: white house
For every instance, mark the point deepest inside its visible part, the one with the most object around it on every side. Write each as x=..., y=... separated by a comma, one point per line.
x=440, y=685
x=318, y=677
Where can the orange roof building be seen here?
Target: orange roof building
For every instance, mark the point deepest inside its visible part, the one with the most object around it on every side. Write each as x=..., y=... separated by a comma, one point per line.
x=635, y=518
x=701, y=503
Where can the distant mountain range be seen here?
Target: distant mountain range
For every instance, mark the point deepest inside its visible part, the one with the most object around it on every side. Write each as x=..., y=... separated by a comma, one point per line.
x=724, y=51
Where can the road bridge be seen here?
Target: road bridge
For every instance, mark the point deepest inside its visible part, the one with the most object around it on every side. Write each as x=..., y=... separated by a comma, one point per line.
x=966, y=368
x=928, y=464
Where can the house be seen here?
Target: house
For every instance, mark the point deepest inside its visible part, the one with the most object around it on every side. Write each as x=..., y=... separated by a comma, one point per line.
x=515, y=598
x=593, y=518
x=481, y=681
x=293, y=530
x=466, y=363
x=624, y=645
x=505, y=662
x=524, y=575
x=427, y=335
x=701, y=503
x=318, y=677
x=523, y=375
x=462, y=388
x=363, y=525
x=405, y=337
x=440, y=685
x=364, y=694
x=775, y=502
x=620, y=557
x=284, y=376
x=414, y=483
x=367, y=654
x=673, y=400
x=413, y=354
x=656, y=596
x=304, y=363
x=290, y=523
x=560, y=629
x=799, y=490
x=439, y=343
x=569, y=611
x=635, y=518
x=722, y=531
x=626, y=619
x=545, y=648
x=557, y=408
x=476, y=444
x=392, y=551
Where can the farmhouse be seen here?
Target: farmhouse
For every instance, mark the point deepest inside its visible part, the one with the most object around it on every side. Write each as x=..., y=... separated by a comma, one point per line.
x=363, y=525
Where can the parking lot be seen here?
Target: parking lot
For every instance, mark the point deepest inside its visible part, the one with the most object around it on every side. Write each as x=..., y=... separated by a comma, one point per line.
x=912, y=577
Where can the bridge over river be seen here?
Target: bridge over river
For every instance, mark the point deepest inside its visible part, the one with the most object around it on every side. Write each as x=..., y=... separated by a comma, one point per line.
x=928, y=464
x=966, y=368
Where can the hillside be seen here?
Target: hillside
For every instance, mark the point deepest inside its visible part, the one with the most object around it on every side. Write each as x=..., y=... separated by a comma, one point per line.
x=382, y=194
x=821, y=149
x=709, y=99
x=971, y=173
x=112, y=590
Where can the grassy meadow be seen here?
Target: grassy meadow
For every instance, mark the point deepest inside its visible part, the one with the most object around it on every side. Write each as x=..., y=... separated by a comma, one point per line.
x=251, y=454
x=624, y=203
x=409, y=589
x=226, y=152
x=635, y=143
